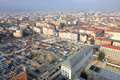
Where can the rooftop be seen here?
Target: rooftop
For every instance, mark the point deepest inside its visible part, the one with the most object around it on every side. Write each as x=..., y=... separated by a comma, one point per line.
x=78, y=56
x=2, y=58
x=100, y=38
x=109, y=74
x=78, y=78
x=110, y=46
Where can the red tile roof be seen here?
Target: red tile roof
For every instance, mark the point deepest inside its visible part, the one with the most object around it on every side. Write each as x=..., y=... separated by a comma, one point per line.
x=107, y=40
x=110, y=46
x=100, y=38
x=116, y=41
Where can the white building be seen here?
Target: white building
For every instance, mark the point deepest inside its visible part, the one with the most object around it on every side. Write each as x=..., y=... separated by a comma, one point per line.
x=75, y=62
x=67, y=36
x=38, y=30
x=18, y=33
x=3, y=64
x=46, y=30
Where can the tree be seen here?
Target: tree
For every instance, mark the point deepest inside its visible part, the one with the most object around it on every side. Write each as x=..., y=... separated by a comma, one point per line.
x=83, y=74
x=101, y=56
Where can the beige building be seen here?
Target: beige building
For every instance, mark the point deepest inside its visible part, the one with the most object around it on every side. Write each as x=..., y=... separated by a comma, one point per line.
x=18, y=33
x=112, y=52
x=83, y=37
x=116, y=43
x=115, y=34
x=49, y=31
x=41, y=23
x=67, y=36
x=38, y=30
x=100, y=41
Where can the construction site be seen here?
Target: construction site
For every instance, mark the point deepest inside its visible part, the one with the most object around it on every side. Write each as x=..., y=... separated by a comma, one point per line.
x=43, y=54
x=47, y=52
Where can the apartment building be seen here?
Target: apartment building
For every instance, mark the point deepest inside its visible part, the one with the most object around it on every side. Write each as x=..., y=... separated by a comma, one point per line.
x=112, y=52
x=67, y=36
x=83, y=37
x=75, y=62
x=101, y=41
x=50, y=31
x=38, y=30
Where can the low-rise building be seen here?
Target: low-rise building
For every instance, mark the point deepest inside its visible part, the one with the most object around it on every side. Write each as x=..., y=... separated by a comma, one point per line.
x=21, y=76
x=78, y=78
x=3, y=64
x=98, y=73
x=75, y=62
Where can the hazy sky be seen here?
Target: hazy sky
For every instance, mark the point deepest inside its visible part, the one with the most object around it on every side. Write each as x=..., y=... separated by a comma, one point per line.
x=53, y=5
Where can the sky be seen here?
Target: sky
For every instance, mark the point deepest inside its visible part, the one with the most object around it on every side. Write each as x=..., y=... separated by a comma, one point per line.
x=58, y=5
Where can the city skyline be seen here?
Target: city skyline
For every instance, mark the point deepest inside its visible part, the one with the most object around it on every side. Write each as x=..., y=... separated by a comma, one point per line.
x=55, y=5
x=59, y=39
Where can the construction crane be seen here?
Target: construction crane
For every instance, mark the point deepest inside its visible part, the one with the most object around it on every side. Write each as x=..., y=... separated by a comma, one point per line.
x=9, y=75
x=70, y=38
x=33, y=30
x=14, y=74
x=56, y=39
x=47, y=32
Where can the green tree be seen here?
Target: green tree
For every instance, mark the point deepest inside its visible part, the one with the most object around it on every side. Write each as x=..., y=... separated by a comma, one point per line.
x=83, y=74
x=101, y=56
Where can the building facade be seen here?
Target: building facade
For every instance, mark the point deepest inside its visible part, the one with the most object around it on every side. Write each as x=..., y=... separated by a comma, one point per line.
x=102, y=41
x=112, y=52
x=67, y=36
x=75, y=62
x=83, y=37
x=18, y=33
x=50, y=31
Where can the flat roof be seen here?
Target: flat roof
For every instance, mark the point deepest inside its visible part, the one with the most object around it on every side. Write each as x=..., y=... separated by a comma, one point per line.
x=95, y=68
x=2, y=58
x=109, y=74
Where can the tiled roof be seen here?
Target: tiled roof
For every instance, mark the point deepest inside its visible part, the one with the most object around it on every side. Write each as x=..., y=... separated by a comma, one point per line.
x=110, y=46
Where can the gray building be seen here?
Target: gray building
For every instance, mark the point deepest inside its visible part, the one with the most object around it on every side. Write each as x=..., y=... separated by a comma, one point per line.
x=3, y=64
x=98, y=73
x=74, y=63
